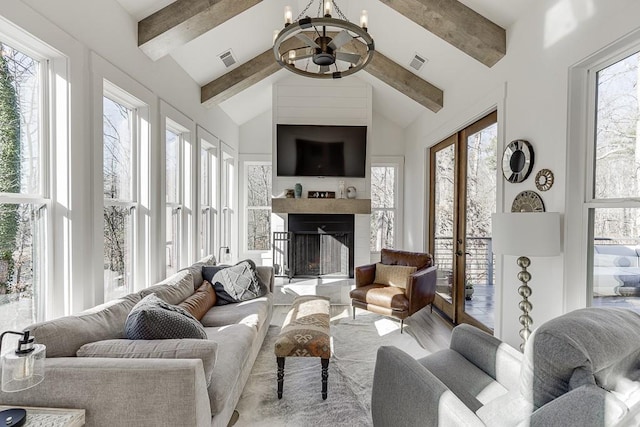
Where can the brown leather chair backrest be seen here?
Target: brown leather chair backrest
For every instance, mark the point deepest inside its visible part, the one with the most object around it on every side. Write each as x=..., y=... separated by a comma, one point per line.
x=413, y=259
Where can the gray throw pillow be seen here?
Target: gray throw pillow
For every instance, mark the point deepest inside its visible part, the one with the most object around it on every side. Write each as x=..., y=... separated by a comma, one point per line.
x=155, y=319
x=235, y=283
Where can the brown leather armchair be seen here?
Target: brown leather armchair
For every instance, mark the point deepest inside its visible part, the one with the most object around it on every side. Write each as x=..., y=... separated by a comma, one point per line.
x=391, y=300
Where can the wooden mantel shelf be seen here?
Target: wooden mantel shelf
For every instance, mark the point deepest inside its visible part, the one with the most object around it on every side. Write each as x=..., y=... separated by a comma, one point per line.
x=321, y=206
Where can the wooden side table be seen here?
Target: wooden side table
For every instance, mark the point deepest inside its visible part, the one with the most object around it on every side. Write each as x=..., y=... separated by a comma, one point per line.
x=51, y=417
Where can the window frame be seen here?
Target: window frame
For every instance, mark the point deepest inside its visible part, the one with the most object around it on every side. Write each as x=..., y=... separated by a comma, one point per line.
x=210, y=211
x=580, y=205
x=245, y=162
x=397, y=162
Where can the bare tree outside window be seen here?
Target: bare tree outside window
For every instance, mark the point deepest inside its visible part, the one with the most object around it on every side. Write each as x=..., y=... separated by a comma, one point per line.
x=616, y=230
x=258, y=178
x=383, y=207
x=118, y=198
x=21, y=224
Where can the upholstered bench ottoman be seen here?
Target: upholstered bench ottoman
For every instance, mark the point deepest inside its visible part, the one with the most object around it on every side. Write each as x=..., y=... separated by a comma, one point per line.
x=305, y=333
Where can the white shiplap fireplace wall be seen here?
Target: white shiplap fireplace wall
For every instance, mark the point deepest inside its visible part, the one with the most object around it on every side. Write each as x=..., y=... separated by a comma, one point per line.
x=348, y=101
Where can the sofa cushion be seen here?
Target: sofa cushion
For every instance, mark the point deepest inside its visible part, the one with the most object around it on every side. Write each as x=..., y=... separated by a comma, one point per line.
x=196, y=269
x=204, y=350
x=65, y=335
x=250, y=313
x=174, y=289
x=598, y=346
x=201, y=301
x=471, y=384
x=393, y=275
x=235, y=283
x=155, y=319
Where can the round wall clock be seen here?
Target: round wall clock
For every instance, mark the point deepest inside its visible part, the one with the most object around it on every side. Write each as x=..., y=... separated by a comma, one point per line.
x=544, y=179
x=517, y=160
x=527, y=201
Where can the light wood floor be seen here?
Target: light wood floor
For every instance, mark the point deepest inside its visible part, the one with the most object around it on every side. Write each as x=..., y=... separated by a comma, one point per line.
x=431, y=331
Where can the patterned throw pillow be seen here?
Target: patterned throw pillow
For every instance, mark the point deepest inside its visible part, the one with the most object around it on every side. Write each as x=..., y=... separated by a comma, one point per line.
x=393, y=275
x=235, y=283
x=154, y=319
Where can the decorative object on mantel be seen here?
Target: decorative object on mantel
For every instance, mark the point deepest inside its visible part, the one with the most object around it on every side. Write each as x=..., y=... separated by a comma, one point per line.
x=323, y=47
x=298, y=190
x=289, y=193
x=544, y=179
x=341, y=190
x=527, y=201
x=517, y=160
x=321, y=194
x=524, y=235
x=351, y=192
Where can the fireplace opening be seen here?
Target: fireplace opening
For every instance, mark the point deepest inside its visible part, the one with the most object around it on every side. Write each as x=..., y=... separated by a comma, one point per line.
x=321, y=244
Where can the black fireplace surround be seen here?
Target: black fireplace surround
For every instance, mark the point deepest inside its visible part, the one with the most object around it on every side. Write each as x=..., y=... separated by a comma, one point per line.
x=321, y=244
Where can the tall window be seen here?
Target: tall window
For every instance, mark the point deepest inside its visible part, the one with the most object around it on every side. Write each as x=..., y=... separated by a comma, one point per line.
x=227, y=199
x=173, y=200
x=613, y=197
x=208, y=195
x=258, y=206
x=23, y=188
x=119, y=155
x=386, y=184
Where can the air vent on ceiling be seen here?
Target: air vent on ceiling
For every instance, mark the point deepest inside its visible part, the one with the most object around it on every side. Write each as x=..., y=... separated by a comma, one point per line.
x=417, y=62
x=227, y=58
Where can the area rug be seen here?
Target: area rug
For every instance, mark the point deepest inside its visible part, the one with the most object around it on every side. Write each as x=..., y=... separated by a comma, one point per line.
x=355, y=343
x=336, y=289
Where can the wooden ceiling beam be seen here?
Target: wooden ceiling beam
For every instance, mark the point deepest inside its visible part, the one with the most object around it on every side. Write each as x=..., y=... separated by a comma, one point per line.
x=381, y=67
x=458, y=25
x=184, y=20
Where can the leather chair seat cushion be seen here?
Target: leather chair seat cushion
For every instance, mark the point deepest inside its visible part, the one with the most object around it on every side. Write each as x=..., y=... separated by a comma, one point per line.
x=385, y=296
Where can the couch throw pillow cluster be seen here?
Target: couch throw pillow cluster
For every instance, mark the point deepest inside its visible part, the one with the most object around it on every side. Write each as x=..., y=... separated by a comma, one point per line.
x=235, y=283
x=155, y=319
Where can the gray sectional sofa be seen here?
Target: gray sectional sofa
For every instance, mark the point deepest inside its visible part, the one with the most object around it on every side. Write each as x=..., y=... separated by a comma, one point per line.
x=185, y=382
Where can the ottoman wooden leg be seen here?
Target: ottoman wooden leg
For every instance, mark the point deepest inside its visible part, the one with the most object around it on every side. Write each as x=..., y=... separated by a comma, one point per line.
x=325, y=377
x=280, y=376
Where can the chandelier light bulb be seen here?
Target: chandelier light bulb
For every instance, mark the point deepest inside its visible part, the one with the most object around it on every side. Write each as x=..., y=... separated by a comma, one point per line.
x=364, y=19
x=327, y=9
x=292, y=56
x=288, y=15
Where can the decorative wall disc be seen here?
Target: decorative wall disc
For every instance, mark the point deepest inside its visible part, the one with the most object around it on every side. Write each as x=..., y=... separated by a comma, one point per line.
x=527, y=201
x=544, y=179
x=517, y=160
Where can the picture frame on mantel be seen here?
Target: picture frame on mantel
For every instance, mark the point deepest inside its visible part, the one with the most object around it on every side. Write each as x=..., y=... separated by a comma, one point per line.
x=321, y=194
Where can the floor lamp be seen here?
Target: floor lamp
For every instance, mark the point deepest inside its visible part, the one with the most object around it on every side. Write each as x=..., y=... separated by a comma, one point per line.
x=526, y=234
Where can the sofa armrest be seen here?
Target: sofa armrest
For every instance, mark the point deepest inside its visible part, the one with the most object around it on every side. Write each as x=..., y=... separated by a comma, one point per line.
x=421, y=288
x=405, y=393
x=266, y=274
x=140, y=392
x=498, y=359
x=365, y=275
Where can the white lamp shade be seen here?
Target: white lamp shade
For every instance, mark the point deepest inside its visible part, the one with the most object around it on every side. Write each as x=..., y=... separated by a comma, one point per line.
x=526, y=233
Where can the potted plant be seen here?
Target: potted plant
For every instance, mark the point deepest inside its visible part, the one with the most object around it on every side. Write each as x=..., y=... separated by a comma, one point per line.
x=468, y=288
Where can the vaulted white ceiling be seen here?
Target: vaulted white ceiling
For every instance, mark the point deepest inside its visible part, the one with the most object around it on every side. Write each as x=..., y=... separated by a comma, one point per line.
x=398, y=38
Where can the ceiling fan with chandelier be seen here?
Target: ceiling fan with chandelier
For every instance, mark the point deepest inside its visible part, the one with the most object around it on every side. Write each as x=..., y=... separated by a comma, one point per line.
x=323, y=47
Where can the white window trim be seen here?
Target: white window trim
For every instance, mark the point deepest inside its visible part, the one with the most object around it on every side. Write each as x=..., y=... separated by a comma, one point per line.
x=245, y=161
x=171, y=118
x=228, y=227
x=109, y=80
x=579, y=200
x=398, y=163
x=209, y=142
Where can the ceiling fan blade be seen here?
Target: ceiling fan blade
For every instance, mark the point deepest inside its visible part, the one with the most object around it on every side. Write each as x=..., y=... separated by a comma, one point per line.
x=340, y=40
x=324, y=68
x=348, y=57
x=307, y=40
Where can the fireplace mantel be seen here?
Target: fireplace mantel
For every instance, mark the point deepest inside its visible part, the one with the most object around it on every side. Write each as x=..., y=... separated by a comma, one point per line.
x=319, y=206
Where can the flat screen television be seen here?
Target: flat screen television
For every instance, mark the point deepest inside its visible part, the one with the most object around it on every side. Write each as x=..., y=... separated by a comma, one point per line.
x=314, y=150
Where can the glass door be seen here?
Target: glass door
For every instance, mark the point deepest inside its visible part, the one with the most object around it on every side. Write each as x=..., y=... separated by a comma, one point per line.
x=463, y=197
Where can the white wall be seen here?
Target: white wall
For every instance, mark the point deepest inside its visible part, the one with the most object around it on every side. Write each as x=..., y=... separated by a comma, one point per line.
x=529, y=87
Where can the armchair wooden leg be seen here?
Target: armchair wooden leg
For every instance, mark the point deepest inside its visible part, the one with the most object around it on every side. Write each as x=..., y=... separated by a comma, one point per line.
x=354, y=312
x=401, y=325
